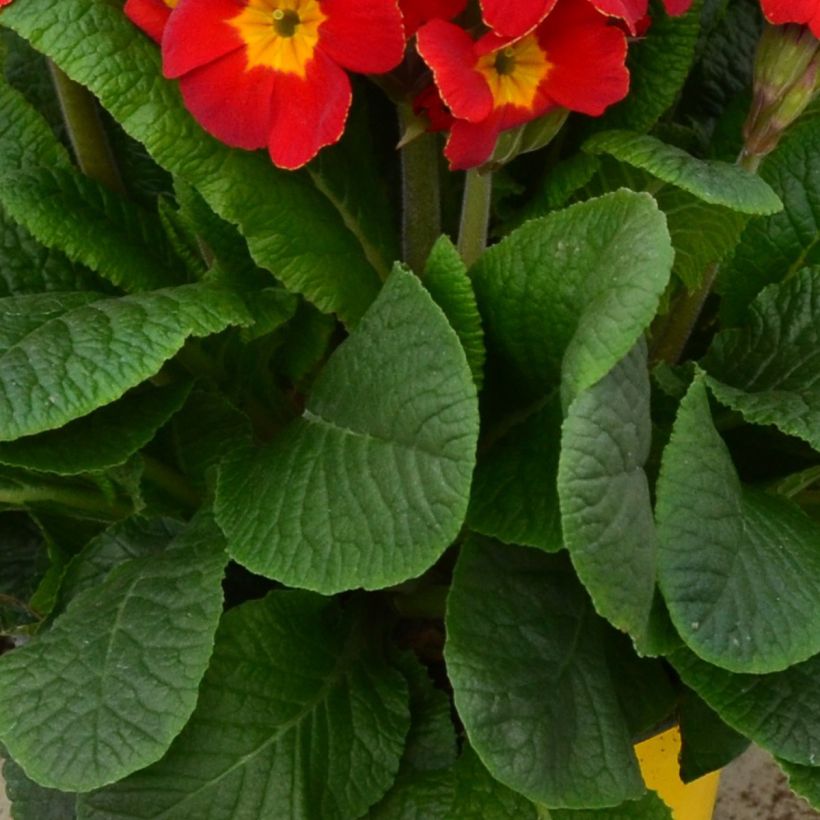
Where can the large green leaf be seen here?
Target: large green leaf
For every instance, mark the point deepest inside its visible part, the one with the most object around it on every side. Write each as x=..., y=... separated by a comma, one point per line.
x=526, y=660
x=291, y=227
x=769, y=369
x=298, y=716
x=718, y=183
x=91, y=354
x=606, y=510
x=568, y=295
x=779, y=711
x=105, y=438
x=739, y=569
x=116, y=677
x=773, y=248
x=30, y=801
x=649, y=807
x=804, y=780
x=370, y=485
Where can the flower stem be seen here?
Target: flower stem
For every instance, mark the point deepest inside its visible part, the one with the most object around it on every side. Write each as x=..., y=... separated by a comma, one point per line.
x=21, y=494
x=475, y=215
x=421, y=196
x=168, y=479
x=85, y=130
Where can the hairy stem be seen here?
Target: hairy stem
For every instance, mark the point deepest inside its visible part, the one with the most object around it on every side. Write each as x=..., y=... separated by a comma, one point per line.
x=475, y=215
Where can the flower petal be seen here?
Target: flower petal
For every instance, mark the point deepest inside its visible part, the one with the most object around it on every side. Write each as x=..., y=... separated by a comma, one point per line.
x=310, y=112
x=149, y=15
x=418, y=12
x=514, y=18
x=794, y=11
x=364, y=37
x=472, y=144
x=630, y=11
x=450, y=53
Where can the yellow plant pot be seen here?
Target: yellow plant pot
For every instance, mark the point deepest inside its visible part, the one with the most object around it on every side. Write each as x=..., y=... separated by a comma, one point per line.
x=658, y=757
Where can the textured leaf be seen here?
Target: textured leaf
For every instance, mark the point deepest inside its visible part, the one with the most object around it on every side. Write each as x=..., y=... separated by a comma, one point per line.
x=370, y=485
x=718, y=183
x=105, y=438
x=504, y=502
x=32, y=802
x=23, y=561
x=606, y=510
x=297, y=717
x=707, y=743
x=649, y=807
x=779, y=711
x=80, y=217
x=773, y=248
x=526, y=661
x=116, y=677
x=292, y=229
x=571, y=293
x=445, y=276
x=739, y=569
x=91, y=355
x=804, y=780
x=769, y=369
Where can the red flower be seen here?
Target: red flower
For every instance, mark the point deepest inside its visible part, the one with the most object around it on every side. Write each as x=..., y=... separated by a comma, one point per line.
x=428, y=103
x=418, y=12
x=150, y=15
x=514, y=18
x=574, y=59
x=258, y=73
x=794, y=11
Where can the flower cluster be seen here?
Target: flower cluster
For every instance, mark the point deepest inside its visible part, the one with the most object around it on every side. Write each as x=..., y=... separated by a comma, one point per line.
x=273, y=73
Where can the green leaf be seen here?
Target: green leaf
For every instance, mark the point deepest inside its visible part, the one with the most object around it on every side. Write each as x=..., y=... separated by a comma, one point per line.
x=90, y=224
x=92, y=354
x=502, y=502
x=718, y=183
x=707, y=743
x=739, y=569
x=531, y=683
x=658, y=65
x=768, y=369
x=445, y=276
x=105, y=438
x=779, y=711
x=292, y=229
x=649, y=807
x=370, y=485
x=606, y=510
x=298, y=716
x=23, y=561
x=571, y=293
x=778, y=246
x=32, y=802
x=115, y=678
x=804, y=780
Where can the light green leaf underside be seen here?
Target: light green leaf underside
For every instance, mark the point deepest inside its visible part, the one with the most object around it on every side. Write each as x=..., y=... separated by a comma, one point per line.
x=779, y=711
x=92, y=354
x=515, y=496
x=32, y=802
x=116, y=677
x=606, y=510
x=105, y=438
x=769, y=369
x=297, y=717
x=739, y=569
x=649, y=807
x=568, y=295
x=292, y=229
x=718, y=183
x=804, y=780
x=370, y=485
x=445, y=276
x=532, y=687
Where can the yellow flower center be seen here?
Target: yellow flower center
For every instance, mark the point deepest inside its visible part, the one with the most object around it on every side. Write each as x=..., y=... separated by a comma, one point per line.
x=515, y=72
x=280, y=34
x=172, y=4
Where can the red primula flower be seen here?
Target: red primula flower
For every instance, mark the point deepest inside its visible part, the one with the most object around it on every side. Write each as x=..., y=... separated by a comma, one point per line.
x=258, y=73
x=574, y=59
x=794, y=11
x=514, y=18
x=150, y=15
x=418, y=12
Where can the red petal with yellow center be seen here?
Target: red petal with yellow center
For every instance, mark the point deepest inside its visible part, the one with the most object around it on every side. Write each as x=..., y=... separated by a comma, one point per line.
x=310, y=112
x=794, y=11
x=198, y=33
x=588, y=58
x=450, y=53
x=363, y=37
x=418, y=12
x=149, y=15
x=514, y=18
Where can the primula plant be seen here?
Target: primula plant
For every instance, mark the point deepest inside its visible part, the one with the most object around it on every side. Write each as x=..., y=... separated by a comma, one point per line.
x=406, y=408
